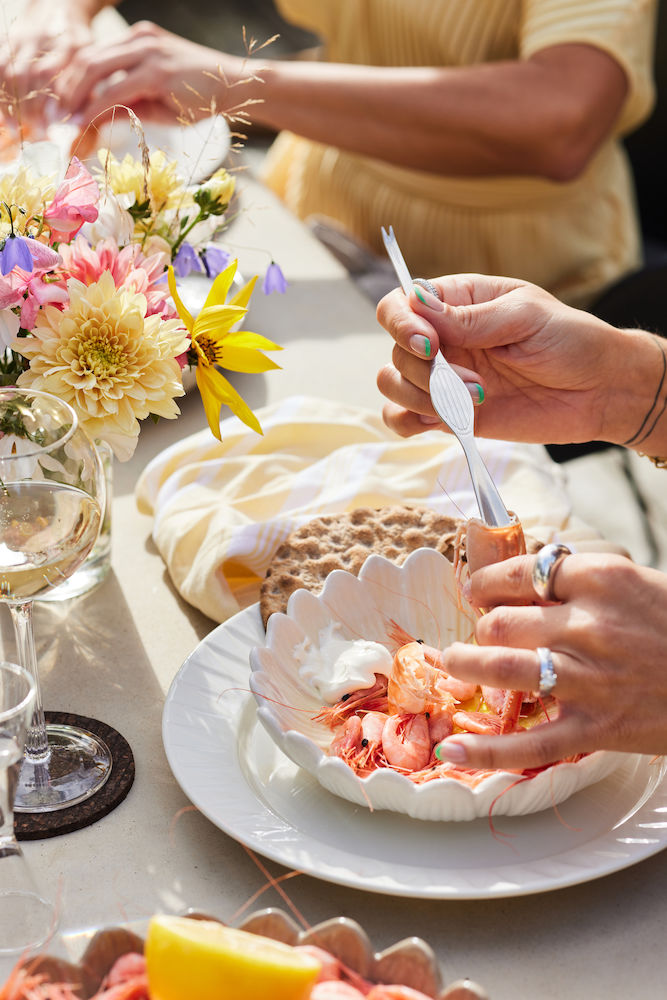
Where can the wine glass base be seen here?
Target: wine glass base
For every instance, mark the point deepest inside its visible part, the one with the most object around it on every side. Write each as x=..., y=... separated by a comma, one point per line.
x=78, y=765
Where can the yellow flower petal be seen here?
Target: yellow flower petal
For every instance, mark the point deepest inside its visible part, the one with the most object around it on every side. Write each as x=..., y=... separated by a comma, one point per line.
x=220, y=286
x=246, y=338
x=215, y=321
x=217, y=392
x=243, y=297
x=244, y=359
x=180, y=308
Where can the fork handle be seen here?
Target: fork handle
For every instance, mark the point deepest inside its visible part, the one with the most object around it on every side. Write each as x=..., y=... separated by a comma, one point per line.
x=491, y=507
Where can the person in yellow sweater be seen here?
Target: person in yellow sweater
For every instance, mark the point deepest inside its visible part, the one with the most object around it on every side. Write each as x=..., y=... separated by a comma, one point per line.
x=488, y=133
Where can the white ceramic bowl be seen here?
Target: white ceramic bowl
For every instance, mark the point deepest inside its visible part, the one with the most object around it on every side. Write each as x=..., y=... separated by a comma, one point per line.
x=420, y=596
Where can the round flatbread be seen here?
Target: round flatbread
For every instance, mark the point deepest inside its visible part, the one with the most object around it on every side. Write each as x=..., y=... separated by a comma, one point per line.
x=344, y=541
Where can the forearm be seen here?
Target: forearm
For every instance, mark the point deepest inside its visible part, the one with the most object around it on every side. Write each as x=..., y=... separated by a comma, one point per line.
x=636, y=407
x=496, y=119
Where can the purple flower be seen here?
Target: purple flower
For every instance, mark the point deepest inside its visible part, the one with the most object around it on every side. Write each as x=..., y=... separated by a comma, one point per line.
x=15, y=253
x=215, y=260
x=187, y=260
x=274, y=279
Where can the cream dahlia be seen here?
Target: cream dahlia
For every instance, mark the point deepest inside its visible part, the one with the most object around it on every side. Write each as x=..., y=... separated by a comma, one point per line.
x=114, y=364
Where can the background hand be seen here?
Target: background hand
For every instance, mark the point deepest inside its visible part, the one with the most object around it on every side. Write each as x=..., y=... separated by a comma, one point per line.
x=157, y=74
x=34, y=56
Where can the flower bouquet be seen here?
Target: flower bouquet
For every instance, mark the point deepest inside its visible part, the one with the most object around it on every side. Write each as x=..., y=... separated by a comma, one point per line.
x=89, y=306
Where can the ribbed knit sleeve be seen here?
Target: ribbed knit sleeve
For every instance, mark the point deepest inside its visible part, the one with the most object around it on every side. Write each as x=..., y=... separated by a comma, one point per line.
x=623, y=28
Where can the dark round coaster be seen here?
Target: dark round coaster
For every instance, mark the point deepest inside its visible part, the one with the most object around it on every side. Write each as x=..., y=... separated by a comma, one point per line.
x=35, y=826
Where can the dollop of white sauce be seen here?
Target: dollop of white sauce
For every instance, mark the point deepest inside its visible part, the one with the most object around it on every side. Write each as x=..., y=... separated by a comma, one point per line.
x=339, y=665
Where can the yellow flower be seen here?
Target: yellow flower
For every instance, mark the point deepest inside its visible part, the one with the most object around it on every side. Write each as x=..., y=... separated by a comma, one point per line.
x=105, y=357
x=22, y=188
x=220, y=186
x=161, y=182
x=215, y=343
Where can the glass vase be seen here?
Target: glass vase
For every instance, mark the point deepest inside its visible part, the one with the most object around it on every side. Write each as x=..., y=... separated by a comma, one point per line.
x=97, y=564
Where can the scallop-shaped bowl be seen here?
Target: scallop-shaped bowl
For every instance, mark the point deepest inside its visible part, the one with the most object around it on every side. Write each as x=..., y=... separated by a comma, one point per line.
x=410, y=962
x=419, y=596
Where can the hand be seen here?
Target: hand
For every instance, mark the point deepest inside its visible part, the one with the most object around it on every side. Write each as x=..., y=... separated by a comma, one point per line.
x=609, y=645
x=157, y=74
x=550, y=373
x=38, y=47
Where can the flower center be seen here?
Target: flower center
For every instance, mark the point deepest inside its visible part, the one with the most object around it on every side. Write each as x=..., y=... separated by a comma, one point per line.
x=99, y=354
x=211, y=350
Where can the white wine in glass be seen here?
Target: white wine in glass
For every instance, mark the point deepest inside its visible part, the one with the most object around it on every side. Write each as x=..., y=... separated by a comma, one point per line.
x=51, y=502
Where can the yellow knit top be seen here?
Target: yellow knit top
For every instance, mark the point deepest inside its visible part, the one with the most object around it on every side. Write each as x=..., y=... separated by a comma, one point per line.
x=572, y=238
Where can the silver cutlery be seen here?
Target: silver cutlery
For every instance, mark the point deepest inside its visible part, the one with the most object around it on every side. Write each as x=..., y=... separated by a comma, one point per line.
x=453, y=404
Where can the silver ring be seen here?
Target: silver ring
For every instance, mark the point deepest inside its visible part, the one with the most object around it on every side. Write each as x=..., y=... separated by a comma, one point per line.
x=548, y=558
x=428, y=285
x=548, y=675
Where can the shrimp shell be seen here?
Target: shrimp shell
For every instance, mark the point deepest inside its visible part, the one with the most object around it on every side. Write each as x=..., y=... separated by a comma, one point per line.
x=486, y=544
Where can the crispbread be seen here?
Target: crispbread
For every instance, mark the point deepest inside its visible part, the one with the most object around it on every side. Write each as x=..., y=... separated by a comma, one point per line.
x=344, y=541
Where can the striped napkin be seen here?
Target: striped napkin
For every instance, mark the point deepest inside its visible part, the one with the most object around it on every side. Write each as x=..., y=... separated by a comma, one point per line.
x=221, y=510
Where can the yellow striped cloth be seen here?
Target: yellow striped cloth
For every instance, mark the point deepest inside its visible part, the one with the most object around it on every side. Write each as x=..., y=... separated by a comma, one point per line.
x=572, y=238
x=222, y=509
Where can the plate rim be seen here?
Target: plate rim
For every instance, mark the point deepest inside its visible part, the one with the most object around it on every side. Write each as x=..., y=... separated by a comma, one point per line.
x=502, y=885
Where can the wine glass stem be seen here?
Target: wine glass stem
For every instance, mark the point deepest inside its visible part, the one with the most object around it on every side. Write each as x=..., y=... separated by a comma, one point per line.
x=37, y=743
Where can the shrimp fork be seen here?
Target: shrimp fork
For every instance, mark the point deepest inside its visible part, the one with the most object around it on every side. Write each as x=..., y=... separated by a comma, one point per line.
x=453, y=404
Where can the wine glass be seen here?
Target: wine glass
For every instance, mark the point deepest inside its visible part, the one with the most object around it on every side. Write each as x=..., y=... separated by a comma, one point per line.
x=51, y=499
x=27, y=920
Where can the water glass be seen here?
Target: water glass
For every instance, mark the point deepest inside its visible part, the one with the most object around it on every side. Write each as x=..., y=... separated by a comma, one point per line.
x=27, y=920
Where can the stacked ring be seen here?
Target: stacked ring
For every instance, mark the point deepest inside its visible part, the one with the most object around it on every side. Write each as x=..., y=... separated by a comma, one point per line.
x=547, y=560
x=548, y=675
x=428, y=285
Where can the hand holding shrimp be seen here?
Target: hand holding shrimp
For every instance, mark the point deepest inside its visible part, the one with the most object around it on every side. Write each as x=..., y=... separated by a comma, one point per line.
x=607, y=637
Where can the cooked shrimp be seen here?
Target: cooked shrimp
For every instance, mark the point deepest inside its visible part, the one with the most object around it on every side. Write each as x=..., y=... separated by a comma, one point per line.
x=22, y=984
x=347, y=741
x=330, y=966
x=415, y=683
x=478, y=544
x=406, y=742
x=335, y=990
x=372, y=699
x=396, y=992
x=440, y=725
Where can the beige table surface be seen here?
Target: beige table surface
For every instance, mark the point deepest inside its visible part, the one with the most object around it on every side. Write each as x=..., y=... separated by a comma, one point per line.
x=113, y=654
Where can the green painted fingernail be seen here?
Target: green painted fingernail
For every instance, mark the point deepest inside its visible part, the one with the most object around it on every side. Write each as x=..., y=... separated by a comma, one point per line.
x=477, y=393
x=421, y=345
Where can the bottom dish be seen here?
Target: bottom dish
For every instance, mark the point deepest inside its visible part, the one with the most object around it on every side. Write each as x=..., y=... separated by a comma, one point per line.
x=410, y=962
x=231, y=770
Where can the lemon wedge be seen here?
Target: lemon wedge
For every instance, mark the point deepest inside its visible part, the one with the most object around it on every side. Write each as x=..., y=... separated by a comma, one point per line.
x=203, y=960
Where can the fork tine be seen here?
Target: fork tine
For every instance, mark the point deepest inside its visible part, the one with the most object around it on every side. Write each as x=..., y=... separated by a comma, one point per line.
x=396, y=257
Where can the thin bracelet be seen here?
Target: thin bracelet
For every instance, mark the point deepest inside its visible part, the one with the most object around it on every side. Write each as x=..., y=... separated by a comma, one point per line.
x=653, y=405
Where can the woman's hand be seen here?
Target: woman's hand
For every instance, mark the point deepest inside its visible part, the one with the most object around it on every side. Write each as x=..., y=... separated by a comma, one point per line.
x=159, y=75
x=36, y=51
x=549, y=373
x=608, y=639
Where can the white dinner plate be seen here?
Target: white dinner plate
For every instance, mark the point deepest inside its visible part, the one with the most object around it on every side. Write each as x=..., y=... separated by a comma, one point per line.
x=230, y=769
